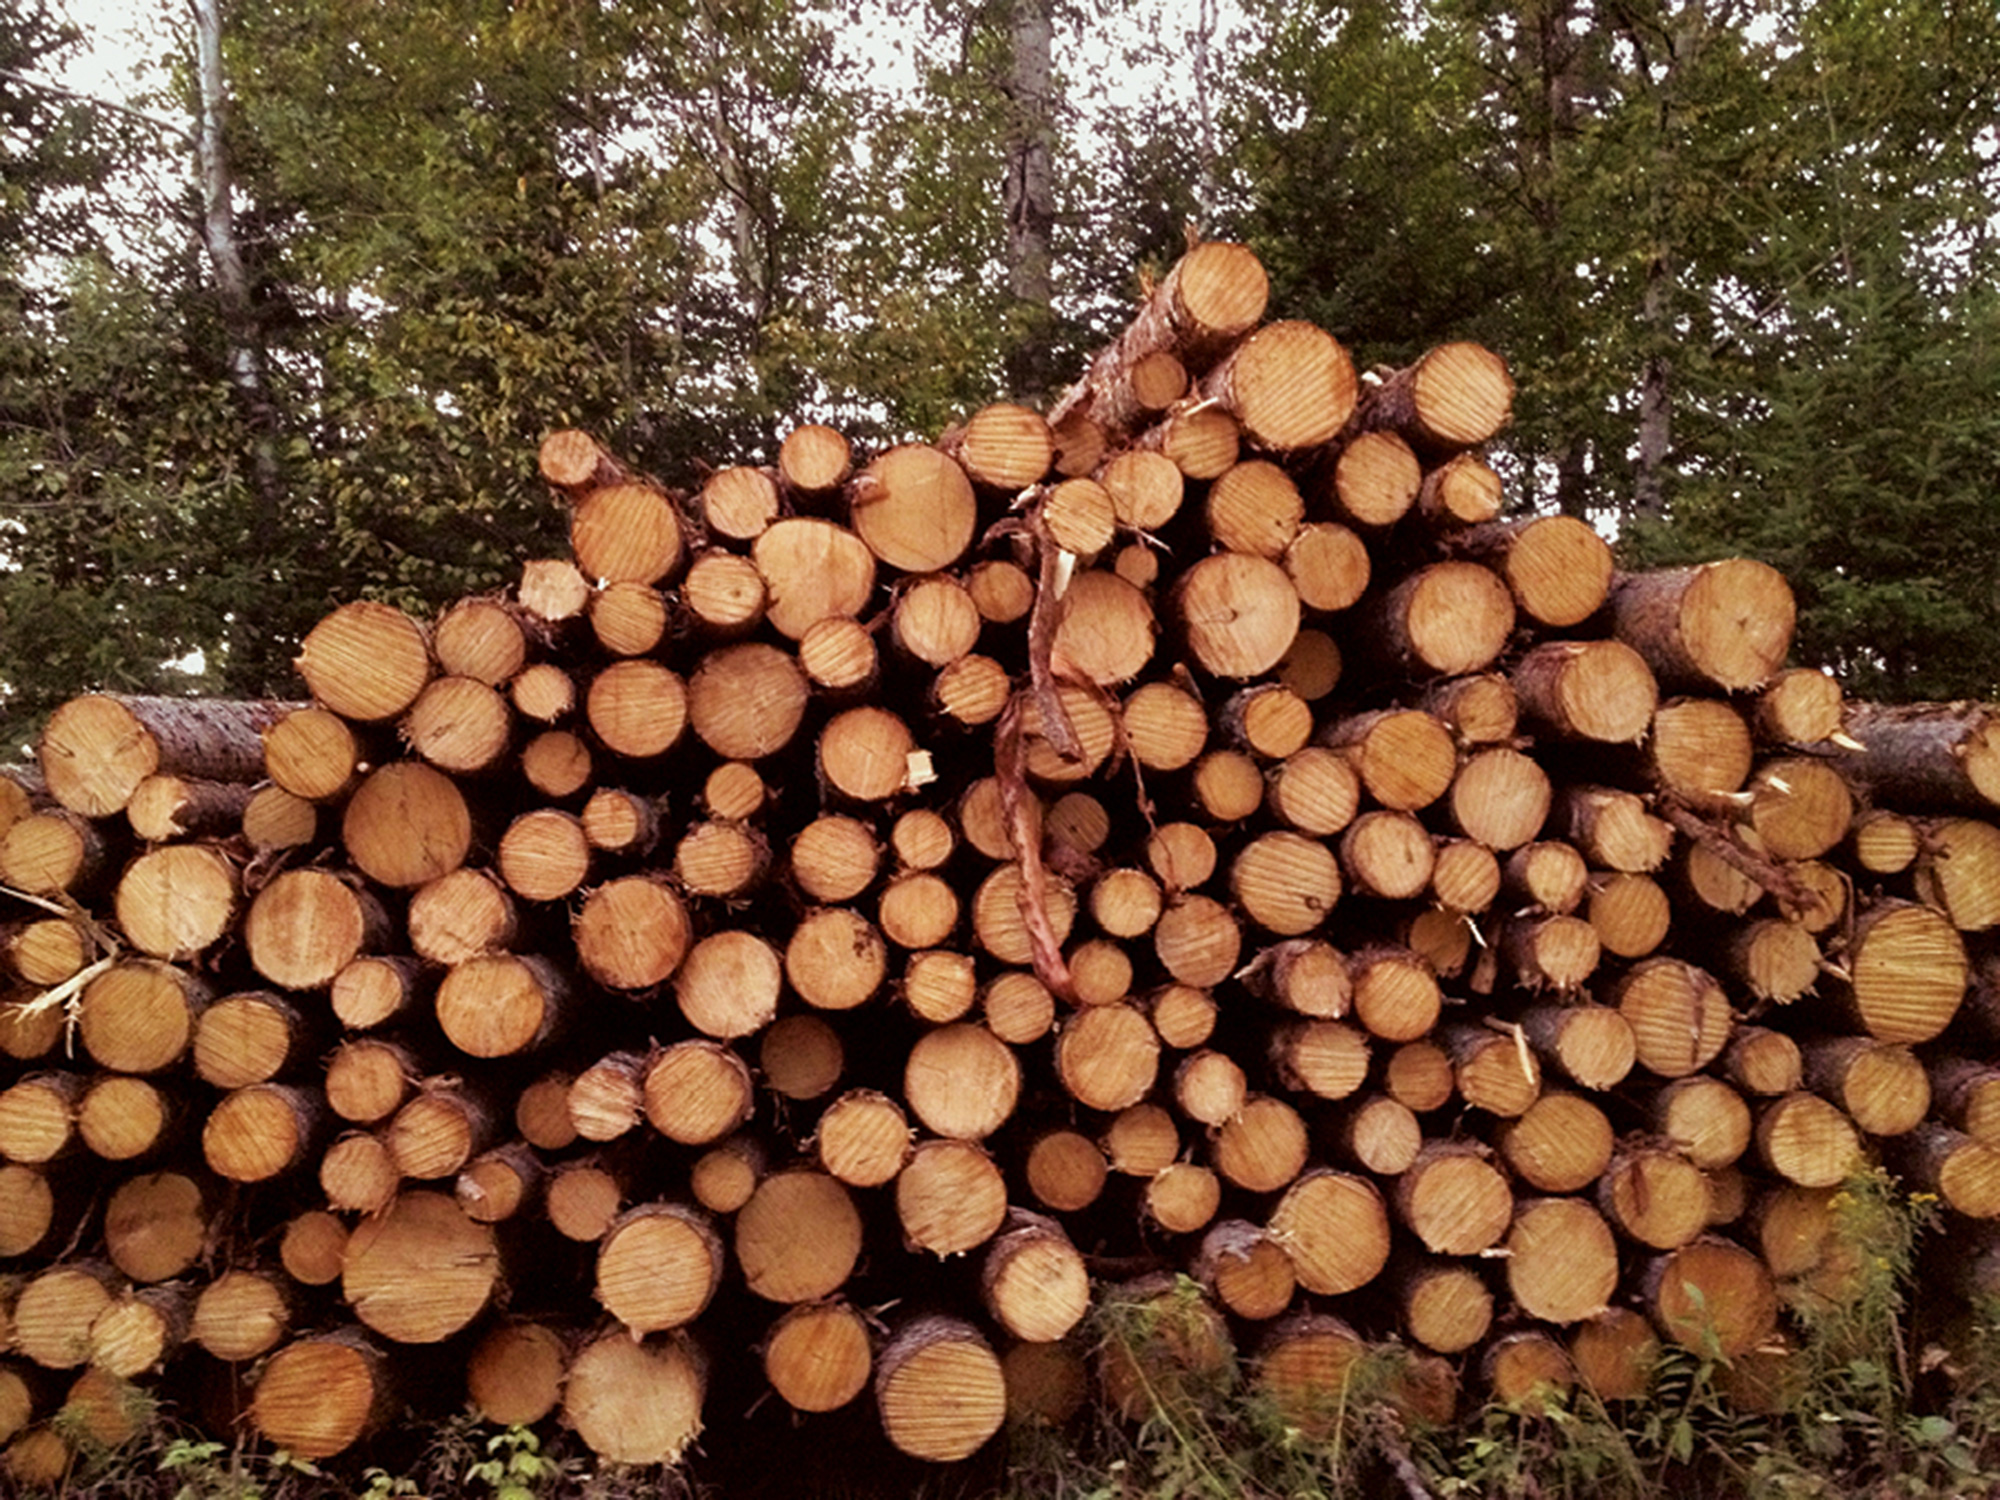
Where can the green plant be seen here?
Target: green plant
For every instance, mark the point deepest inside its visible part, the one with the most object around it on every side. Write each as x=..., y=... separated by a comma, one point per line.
x=515, y=1467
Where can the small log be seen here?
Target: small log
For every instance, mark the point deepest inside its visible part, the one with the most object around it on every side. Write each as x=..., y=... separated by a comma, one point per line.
x=369, y=991
x=1806, y=1140
x=1592, y=1045
x=420, y=1272
x=1700, y=748
x=1721, y=625
x=307, y=925
x=939, y=1389
x=631, y=933
x=814, y=461
x=1335, y=1227
x=1445, y=620
x=801, y=1057
x=739, y=502
x=156, y=1225
x=1558, y=567
x=1712, y=1294
x=1454, y=1199
x=1679, y=1015
x=1958, y=871
x=177, y=807
x=1630, y=913
x=264, y=1131
x=1379, y=1134
x=242, y=1315
x=1443, y=1306
x=1455, y=397
x=1560, y=1144
x=139, y=1016
x=836, y=958
x=950, y=1197
x=1705, y=1119
x=658, y=1267
x=122, y=1118
x=913, y=508
x=1245, y=1269
x=636, y=1403
x=818, y=1356
x=1033, y=1281
x=1562, y=1262
x=321, y=1394
x=1655, y=1196
x=1881, y=1086
x=1240, y=614
x=358, y=1174
x=503, y=1004
x=514, y=1375
x=249, y=1038
x=496, y=1185
x=697, y=1092
x=637, y=708
x=1599, y=691
x=483, y=639
x=1263, y=1148
x=630, y=619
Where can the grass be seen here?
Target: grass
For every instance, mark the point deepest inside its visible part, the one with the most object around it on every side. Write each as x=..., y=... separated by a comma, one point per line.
x=1874, y=1396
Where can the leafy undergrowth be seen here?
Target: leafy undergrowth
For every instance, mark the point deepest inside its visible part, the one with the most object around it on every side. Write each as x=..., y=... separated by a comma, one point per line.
x=1873, y=1397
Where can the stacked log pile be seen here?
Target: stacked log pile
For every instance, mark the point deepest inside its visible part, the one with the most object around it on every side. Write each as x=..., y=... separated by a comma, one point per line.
x=1188, y=832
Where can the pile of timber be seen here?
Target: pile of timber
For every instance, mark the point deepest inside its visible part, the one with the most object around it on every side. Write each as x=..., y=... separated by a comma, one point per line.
x=1189, y=833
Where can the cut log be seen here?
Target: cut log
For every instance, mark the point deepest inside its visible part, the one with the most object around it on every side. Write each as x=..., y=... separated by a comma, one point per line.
x=515, y=1374
x=139, y=1016
x=98, y=748
x=249, y=1038
x=630, y=619
x=950, y=1197
x=818, y=1356
x=739, y=502
x=1558, y=567
x=1723, y=624
x=697, y=1092
x=1263, y=1148
x=814, y=461
x=1335, y=1227
x=242, y=1315
x=1444, y=1307
x=631, y=933
x=1560, y=1144
x=502, y=1004
x=1245, y=1269
x=420, y=1272
x=1806, y=1140
x=1241, y=614
x=320, y=1395
x=940, y=1390
x=1562, y=1262
x=1454, y=1199
x=836, y=958
x=1445, y=620
x=636, y=1403
x=482, y=639
x=658, y=1267
x=1587, y=690
x=1456, y=396
x=178, y=807
x=1907, y=972
x=407, y=824
x=1712, y=1295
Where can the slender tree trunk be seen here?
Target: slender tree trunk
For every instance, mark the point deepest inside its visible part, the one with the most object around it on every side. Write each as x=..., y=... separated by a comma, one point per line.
x=1029, y=195
x=232, y=281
